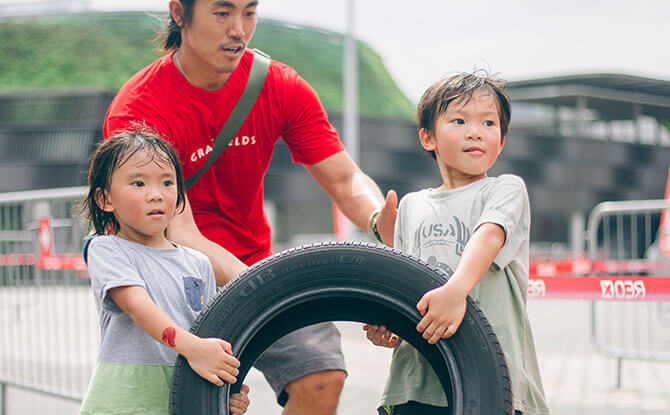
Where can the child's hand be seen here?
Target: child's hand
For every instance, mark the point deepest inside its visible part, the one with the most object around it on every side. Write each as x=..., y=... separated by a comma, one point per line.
x=379, y=336
x=443, y=310
x=239, y=402
x=212, y=359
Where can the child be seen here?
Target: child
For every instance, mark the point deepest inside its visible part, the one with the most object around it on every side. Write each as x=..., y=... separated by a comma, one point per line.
x=148, y=290
x=474, y=227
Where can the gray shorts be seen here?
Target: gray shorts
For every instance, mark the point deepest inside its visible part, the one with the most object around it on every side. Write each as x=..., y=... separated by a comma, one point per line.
x=307, y=350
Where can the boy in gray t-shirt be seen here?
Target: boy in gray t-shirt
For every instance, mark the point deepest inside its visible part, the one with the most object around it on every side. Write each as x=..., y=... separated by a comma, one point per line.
x=477, y=229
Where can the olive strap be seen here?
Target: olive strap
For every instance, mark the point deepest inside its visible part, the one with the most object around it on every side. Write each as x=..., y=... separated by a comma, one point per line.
x=259, y=71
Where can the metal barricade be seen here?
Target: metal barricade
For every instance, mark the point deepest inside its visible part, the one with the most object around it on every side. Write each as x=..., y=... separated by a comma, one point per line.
x=48, y=322
x=623, y=238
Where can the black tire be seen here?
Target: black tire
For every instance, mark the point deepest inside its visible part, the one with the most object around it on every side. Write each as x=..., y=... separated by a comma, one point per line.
x=344, y=281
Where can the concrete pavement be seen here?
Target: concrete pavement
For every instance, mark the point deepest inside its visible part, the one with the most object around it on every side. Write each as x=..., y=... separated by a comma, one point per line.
x=577, y=380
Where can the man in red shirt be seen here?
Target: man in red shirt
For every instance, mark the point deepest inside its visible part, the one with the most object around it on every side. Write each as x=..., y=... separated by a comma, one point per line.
x=187, y=95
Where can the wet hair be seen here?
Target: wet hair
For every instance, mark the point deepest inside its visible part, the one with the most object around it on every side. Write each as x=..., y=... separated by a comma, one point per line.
x=460, y=88
x=112, y=154
x=170, y=37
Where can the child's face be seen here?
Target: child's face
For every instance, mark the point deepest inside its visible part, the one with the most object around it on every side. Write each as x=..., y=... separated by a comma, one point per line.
x=143, y=197
x=466, y=140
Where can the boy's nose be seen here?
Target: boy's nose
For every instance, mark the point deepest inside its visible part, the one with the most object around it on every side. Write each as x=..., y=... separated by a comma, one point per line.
x=474, y=133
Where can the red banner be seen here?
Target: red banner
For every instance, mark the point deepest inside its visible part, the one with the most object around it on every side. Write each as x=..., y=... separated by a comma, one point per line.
x=601, y=288
x=53, y=262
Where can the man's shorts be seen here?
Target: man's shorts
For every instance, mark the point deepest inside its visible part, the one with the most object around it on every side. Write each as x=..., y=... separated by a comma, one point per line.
x=305, y=351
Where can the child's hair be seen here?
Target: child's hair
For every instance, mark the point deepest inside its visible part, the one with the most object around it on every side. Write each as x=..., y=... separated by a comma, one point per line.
x=460, y=88
x=113, y=153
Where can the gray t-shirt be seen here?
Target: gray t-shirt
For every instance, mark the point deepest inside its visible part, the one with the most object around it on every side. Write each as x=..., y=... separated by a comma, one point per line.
x=179, y=280
x=435, y=226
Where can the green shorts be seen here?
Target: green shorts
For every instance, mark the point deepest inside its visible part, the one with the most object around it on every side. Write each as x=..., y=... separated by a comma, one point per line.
x=126, y=388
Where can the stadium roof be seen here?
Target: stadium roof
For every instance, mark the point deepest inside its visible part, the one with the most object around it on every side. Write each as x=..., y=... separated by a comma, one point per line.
x=613, y=95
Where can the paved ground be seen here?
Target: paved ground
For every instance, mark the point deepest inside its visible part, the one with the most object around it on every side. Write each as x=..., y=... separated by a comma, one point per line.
x=577, y=380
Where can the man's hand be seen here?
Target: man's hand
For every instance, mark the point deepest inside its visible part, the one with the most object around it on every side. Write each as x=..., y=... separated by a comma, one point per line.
x=386, y=218
x=379, y=336
x=443, y=310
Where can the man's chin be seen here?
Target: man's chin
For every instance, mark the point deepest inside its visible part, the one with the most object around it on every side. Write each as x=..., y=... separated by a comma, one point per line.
x=228, y=66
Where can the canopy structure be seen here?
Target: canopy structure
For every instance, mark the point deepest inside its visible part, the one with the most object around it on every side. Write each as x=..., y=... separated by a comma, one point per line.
x=613, y=96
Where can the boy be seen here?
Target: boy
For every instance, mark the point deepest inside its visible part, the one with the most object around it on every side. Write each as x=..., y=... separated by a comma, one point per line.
x=474, y=227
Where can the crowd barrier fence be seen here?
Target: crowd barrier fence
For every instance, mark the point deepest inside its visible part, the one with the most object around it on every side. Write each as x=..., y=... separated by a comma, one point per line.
x=49, y=326
x=628, y=232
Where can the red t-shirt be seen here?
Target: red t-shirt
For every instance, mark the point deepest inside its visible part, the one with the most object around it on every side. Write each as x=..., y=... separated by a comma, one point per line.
x=227, y=200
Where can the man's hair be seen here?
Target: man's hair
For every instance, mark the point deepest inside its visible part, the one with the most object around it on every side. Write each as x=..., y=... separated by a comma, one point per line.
x=112, y=154
x=170, y=37
x=460, y=88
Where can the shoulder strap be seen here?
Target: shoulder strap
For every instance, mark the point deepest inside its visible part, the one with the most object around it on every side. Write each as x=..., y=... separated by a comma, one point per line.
x=259, y=71
x=87, y=243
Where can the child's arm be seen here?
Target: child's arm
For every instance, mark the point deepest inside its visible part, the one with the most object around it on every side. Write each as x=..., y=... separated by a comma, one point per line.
x=443, y=308
x=210, y=358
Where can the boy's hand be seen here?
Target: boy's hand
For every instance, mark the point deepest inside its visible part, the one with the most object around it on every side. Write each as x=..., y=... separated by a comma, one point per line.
x=212, y=359
x=379, y=336
x=239, y=402
x=443, y=310
x=386, y=218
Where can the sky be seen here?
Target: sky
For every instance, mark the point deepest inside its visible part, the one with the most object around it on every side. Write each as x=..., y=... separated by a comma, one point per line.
x=422, y=41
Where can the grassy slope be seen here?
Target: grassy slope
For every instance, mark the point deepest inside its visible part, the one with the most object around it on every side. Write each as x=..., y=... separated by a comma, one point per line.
x=103, y=50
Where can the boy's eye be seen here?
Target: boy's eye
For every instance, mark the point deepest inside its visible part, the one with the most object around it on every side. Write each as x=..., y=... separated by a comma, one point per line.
x=251, y=13
x=222, y=14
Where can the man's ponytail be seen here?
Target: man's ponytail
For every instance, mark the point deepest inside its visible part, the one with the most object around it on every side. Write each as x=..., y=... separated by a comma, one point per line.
x=170, y=37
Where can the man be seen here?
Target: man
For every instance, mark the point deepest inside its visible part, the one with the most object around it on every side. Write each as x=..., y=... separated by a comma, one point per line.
x=187, y=95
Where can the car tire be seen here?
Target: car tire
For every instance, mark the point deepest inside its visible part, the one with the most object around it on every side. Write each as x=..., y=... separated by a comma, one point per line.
x=344, y=281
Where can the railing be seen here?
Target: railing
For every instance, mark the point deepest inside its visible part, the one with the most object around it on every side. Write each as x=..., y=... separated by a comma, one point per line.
x=628, y=232
x=48, y=321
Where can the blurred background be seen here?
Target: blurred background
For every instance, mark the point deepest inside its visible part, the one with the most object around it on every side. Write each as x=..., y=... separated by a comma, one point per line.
x=590, y=85
x=590, y=91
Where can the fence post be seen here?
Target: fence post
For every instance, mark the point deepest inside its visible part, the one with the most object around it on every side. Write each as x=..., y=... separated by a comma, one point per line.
x=3, y=398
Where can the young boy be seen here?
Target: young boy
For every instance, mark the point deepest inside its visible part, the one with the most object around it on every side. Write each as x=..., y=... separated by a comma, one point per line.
x=474, y=227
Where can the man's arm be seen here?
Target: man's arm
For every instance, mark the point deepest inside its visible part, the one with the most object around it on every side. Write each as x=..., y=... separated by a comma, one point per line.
x=184, y=231
x=356, y=194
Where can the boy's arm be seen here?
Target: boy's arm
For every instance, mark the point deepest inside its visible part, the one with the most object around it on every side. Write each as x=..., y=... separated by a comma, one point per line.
x=183, y=230
x=210, y=358
x=443, y=308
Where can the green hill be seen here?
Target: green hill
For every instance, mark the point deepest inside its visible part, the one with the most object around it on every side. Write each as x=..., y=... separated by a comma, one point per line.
x=102, y=50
